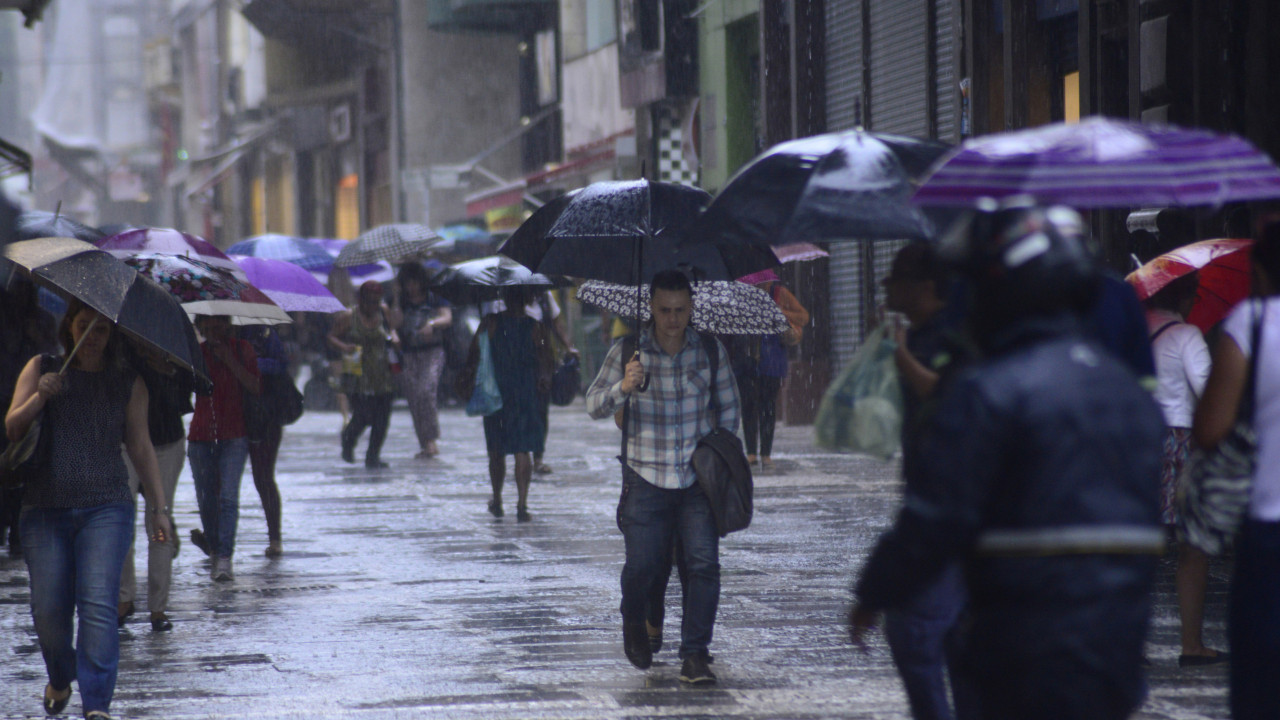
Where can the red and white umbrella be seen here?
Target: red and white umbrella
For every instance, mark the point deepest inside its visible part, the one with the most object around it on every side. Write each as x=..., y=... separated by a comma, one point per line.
x=1224, y=278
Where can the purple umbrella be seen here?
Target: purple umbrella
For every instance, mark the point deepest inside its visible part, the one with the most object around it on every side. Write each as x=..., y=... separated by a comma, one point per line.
x=299, y=251
x=291, y=287
x=1103, y=162
x=166, y=241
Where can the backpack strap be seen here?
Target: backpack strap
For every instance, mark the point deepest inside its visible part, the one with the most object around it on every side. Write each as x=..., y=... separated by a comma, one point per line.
x=709, y=346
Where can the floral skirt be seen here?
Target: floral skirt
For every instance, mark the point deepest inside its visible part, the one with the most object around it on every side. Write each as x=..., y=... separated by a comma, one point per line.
x=1177, y=446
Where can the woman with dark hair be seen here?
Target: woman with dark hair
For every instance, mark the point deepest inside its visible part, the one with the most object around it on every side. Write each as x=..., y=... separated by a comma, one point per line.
x=1182, y=366
x=363, y=334
x=217, y=443
x=264, y=442
x=77, y=519
x=518, y=428
x=1254, y=612
x=424, y=320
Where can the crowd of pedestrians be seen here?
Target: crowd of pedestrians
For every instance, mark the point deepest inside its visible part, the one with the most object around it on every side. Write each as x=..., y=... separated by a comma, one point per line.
x=1016, y=580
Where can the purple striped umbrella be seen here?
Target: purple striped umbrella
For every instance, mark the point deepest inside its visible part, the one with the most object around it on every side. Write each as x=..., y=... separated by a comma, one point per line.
x=166, y=241
x=291, y=287
x=1103, y=162
x=299, y=251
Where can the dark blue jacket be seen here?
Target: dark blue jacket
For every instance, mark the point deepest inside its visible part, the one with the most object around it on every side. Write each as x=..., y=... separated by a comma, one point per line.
x=1039, y=471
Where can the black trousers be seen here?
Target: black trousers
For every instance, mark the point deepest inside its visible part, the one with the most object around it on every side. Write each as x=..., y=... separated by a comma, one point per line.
x=759, y=410
x=368, y=411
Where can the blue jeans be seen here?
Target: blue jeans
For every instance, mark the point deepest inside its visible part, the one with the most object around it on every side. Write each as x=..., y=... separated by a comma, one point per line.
x=649, y=517
x=216, y=468
x=1254, y=622
x=920, y=637
x=74, y=557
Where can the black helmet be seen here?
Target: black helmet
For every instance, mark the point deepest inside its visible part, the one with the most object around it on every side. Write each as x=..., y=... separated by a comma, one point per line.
x=1025, y=260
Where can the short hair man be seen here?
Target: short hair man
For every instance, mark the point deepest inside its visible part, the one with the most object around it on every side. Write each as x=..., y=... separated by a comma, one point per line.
x=660, y=494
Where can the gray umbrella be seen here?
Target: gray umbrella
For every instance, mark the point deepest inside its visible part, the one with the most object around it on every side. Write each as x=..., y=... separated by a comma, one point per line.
x=395, y=244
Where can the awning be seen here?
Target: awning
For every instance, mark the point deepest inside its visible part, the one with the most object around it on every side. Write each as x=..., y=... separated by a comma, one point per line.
x=316, y=23
x=495, y=16
x=211, y=169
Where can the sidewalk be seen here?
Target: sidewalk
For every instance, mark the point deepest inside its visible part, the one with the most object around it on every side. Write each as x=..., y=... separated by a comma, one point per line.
x=399, y=596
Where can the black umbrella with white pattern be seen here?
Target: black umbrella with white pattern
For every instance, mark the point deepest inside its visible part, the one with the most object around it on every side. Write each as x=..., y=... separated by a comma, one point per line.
x=722, y=307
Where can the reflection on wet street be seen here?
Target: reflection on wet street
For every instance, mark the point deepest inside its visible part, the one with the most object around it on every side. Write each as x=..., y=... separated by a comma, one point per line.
x=398, y=595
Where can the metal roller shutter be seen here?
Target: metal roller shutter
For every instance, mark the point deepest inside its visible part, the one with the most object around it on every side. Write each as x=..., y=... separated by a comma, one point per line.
x=844, y=63
x=899, y=53
x=948, y=83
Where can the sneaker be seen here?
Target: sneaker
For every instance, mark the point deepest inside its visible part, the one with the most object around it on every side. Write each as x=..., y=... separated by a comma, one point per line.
x=222, y=570
x=695, y=670
x=198, y=539
x=160, y=622
x=635, y=643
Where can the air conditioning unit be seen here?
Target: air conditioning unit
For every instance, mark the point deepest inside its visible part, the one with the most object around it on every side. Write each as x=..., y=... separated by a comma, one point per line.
x=340, y=123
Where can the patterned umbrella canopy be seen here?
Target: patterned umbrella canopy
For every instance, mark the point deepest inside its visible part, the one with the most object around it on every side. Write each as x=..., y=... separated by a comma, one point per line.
x=1104, y=162
x=302, y=252
x=289, y=286
x=167, y=241
x=207, y=290
x=724, y=307
x=392, y=243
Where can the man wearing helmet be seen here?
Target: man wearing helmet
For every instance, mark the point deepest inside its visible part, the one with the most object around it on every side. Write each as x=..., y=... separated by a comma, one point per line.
x=1039, y=474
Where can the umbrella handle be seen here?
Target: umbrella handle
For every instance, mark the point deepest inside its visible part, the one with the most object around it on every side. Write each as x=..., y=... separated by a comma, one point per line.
x=644, y=384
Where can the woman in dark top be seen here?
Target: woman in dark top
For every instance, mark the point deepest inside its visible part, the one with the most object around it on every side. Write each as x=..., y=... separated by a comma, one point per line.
x=518, y=428
x=77, y=520
x=424, y=320
x=273, y=360
x=169, y=398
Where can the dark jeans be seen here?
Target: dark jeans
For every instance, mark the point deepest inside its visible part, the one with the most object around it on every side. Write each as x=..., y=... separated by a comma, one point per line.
x=262, y=460
x=74, y=557
x=649, y=517
x=1254, y=623
x=759, y=410
x=216, y=469
x=368, y=411
x=920, y=637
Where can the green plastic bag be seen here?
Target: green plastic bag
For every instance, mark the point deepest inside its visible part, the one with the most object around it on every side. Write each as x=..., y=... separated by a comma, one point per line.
x=862, y=409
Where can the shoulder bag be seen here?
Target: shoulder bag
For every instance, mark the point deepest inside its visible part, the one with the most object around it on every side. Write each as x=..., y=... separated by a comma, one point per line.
x=1215, y=485
x=27, y=460
x=720, y=463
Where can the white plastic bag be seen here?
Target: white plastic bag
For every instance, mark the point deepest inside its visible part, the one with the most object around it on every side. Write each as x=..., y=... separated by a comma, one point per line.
x=862, y=409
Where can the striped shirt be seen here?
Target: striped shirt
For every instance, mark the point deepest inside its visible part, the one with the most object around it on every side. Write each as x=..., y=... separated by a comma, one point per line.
x=669, y=417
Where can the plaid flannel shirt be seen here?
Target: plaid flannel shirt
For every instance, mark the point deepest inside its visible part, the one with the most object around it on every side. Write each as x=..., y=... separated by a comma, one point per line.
x=667, y=419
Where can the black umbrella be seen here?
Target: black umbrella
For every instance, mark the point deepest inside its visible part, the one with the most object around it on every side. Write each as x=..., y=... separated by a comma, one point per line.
x=141, y=309
x=485, y=279
x=34, y=224
x=850, y=185
x=625, y=232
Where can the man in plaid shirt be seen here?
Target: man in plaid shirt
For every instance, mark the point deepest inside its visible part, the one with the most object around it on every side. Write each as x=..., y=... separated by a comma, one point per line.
x=661, y=497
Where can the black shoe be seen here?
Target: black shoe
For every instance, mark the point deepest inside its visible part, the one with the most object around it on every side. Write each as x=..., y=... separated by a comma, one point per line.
x=197, y=539
x=695, y=670
x=123, y=613
x=53, y=707
x=1216, y=658
x=495, y=508
x=655, y=637
x=522, y=514
x=375, y=464
x=160, y=623
x=348, y=453
x=635, y=643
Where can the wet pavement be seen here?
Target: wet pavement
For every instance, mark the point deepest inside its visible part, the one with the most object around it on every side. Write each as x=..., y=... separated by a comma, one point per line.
x=399, y=595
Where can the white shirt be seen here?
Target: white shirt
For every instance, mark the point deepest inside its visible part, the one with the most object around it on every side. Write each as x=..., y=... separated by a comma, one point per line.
x=1266, y=480
x=533, y=309
x=1182, y=366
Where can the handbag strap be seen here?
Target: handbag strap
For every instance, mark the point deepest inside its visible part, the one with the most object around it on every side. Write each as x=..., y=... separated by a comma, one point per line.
x=1248, y=402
